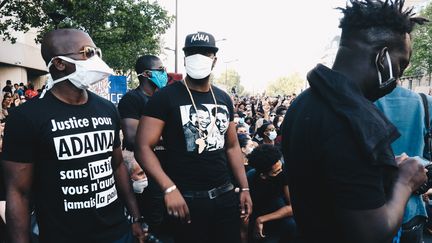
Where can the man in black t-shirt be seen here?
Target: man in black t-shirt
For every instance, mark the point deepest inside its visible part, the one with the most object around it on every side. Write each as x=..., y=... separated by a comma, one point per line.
x=272, y=218
x=70, y=160
x=336, y=143
x=195, y=179
x=8, y=87
x=152, y=77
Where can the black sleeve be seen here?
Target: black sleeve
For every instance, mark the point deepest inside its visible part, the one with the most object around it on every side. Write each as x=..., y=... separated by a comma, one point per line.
x=19, y=138
x=158, y=106
x=2, y=184
x=116, y=118
x=130, y=106
x=230, y=107
x=354, y=182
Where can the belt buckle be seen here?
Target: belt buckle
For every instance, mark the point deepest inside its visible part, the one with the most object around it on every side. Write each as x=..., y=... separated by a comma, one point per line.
x=212, y=193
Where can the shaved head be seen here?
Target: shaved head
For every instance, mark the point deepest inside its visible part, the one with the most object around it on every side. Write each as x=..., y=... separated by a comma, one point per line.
x=147, y=62
x=63, y=41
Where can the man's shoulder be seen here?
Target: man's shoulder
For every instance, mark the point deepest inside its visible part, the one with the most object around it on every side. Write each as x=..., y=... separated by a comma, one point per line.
x=102, y=103
x=310, y=114
x=99, y=100
x=309, y=102
x=219, y=91
x=169, y=90
x=132, y=96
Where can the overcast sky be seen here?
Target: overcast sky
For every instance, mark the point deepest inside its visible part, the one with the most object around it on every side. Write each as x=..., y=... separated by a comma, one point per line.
x=270, y=39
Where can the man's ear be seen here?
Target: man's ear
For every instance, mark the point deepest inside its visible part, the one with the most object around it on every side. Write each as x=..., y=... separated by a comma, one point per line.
x=380, y=59
x=214, y=62
x=58, y=64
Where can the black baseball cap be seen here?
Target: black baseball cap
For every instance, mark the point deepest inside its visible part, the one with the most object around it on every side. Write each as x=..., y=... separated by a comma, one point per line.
x=200, y=40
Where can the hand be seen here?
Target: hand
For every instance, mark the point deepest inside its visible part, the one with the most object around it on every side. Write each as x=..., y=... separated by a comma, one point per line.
x=412, y=173
x=425, y=198
x=139, y=233
x=176, y=206
x=259, y=227
x=401, y=158
x=245, y=204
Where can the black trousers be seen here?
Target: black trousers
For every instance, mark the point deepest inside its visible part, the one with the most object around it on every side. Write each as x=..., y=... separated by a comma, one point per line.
x=213, y=220
x=412, y=231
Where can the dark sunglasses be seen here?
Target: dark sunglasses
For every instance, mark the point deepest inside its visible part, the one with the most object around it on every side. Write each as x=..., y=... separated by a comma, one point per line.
x=87, y=52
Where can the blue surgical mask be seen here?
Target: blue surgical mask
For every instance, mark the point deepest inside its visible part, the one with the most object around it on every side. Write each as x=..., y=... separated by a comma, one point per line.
x=159, y=78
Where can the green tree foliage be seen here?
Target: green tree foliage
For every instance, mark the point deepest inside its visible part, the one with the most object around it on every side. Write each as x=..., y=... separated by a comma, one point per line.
x=229, y=79
x=123, y=29
x=286, y=85
x=421, y=60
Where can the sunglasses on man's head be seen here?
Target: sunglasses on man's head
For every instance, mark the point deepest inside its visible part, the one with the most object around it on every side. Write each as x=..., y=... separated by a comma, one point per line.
x=87, y=52
x=149, y=73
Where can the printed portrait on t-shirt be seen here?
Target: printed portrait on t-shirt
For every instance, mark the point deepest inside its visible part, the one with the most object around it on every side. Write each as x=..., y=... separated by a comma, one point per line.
x=206, y=122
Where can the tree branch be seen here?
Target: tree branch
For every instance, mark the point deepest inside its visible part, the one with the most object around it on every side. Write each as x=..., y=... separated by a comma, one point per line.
x=2, y=3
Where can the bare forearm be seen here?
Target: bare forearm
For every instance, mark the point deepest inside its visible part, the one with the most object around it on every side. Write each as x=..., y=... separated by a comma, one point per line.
x=235, y=160
x=381, y=224
x=283, y=212
x=396, y=206
x=125, y=190
x=18, y=217
x=152, y=167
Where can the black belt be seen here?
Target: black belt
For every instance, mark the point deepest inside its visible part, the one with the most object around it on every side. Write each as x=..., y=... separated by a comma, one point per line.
x=212, y=194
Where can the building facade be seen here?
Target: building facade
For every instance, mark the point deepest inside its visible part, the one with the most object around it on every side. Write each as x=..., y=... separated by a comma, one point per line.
x=22, y=62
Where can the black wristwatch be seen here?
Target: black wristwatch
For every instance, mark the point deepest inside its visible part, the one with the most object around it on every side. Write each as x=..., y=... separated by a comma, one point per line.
x=134, y=220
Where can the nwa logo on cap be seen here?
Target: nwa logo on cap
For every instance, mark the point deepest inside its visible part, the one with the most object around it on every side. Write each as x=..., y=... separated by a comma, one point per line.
x=200, y=37
x=200, y=40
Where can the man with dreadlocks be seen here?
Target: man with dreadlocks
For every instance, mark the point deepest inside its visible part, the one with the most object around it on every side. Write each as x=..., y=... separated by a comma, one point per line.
x=335, y=137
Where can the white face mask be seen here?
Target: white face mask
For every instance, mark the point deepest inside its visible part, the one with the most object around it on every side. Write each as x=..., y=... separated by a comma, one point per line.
x=272, y=135
x=279, y=124
x=87, y=72
x=198, y=66
x=139, y=185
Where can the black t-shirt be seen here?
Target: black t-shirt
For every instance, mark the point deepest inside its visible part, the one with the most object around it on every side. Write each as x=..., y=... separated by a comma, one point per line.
x=266, y=194
x=132, y=106
x=2, y=182
x=7, y=89
x=185, y=166
x=327, y=170
x=70, y=147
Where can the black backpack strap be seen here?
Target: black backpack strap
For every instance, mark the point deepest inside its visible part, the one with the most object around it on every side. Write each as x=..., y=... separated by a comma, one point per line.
x=428, y=135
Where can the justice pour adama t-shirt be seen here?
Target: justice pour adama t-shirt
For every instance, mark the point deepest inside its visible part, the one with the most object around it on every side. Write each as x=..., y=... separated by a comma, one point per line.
x=70, y=147
x=189, y=169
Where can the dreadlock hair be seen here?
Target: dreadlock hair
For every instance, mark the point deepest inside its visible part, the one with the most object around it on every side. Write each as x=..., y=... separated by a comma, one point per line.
x=379, y=20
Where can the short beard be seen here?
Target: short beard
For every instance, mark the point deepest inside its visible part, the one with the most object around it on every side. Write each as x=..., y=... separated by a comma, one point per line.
x=200, y=81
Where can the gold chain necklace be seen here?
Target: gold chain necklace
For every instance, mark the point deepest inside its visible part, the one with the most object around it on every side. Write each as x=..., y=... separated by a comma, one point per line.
x=201, y=141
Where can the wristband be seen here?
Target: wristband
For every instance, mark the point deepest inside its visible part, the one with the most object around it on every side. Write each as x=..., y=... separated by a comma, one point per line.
x=134, y=220
x=170, y=189
x=245, y=189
